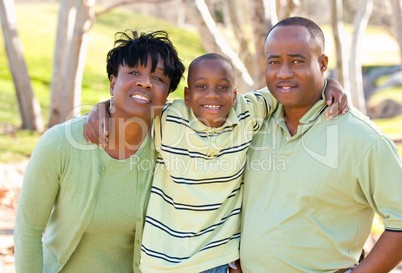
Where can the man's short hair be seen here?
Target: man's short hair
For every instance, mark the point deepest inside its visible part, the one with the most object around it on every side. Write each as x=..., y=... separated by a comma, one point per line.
x=314, y=30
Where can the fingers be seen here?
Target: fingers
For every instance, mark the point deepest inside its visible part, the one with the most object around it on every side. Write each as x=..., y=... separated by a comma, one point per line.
x=329, y=96
x=339, y=106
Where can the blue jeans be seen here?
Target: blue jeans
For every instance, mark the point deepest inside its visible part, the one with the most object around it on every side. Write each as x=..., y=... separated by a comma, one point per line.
x=218, y=269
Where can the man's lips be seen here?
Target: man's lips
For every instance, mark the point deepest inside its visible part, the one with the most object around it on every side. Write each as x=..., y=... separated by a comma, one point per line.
x=286, y=87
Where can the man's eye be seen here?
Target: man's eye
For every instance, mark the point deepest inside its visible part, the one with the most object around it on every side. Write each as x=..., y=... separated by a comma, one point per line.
x=273, y=62
x=298, y=61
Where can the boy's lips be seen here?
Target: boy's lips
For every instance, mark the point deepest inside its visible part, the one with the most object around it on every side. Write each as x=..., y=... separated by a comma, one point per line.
x=212, y=106
x=139, y=97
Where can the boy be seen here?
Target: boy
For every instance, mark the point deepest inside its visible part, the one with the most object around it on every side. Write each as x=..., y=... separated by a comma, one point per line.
x=193, y=217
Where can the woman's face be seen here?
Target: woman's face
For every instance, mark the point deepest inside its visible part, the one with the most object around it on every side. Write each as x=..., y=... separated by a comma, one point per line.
x=139, y=92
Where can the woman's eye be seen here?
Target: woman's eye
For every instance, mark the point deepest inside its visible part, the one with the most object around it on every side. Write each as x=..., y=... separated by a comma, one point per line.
x=158, y=79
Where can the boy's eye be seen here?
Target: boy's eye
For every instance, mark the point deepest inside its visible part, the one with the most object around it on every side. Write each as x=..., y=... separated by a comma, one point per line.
x=201, y=86
x=223, y=87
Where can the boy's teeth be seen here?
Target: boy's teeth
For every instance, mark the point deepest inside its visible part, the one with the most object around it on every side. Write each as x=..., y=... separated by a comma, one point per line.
x=212, y=106
x=140, y=97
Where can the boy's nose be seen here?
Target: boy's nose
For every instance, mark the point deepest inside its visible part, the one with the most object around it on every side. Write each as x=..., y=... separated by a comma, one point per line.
x=212, y=93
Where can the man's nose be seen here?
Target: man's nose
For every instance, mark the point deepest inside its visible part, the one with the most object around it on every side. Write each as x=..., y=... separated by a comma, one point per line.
x=284, y=71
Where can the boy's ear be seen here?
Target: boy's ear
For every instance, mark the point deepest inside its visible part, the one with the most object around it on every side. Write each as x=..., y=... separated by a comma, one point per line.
x=234, y=97
x=112, y=84
x=187, y=96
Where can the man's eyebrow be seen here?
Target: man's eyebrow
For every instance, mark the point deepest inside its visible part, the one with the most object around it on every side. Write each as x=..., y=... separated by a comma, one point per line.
x=294, y=55
x=272, y=56
x=297, y=55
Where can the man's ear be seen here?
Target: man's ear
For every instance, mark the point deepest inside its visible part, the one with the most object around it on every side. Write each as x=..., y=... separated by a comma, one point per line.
x=323, y=61
x=112, y=81
x=187, y=96
x=234, y=97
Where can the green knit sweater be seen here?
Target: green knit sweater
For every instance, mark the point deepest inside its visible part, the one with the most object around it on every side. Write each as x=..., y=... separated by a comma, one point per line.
x=60, y=193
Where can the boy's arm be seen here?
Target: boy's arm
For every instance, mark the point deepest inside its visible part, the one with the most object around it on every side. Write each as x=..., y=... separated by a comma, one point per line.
x=96, y=126
x=335, y=95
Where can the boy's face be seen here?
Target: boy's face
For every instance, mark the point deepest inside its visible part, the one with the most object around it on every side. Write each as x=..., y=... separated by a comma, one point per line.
x=211, y=92
x=139, y=92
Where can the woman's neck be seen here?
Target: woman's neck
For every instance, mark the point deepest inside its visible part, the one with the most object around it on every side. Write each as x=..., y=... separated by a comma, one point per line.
x=125, y=137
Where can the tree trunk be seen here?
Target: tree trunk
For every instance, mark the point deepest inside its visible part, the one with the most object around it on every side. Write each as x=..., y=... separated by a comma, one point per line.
x=397, y=22
x=213, y=41
x=260, y=26
x=342, y=69
x=356, y=81
x=75, y=19
x=244, y=53
x=28, y=105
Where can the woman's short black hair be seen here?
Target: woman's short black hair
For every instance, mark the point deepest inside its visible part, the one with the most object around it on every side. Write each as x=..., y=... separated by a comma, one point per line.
x=131, y=49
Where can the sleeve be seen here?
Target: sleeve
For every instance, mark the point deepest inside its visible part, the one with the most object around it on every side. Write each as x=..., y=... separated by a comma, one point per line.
x=37, y=196
x=259, y=104
x=158, y=126
x=380, y=178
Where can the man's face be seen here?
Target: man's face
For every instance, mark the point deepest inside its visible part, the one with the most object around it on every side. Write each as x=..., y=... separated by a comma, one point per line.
x=295, y=66
x=138, y=91
x=211, y=92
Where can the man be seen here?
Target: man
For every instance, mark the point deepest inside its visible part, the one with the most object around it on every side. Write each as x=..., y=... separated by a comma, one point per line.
x=313, y=184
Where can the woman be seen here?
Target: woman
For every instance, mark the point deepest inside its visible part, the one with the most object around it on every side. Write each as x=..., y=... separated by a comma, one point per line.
x=90, y=202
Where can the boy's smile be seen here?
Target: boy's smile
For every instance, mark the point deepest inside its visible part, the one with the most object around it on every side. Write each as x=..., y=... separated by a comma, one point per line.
x=210, y=92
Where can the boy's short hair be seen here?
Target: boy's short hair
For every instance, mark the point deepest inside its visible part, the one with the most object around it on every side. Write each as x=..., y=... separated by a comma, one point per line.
x=208, y=56
x=131, y=49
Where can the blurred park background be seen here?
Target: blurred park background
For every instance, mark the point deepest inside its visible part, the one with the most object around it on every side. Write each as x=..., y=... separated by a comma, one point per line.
x=53, y=56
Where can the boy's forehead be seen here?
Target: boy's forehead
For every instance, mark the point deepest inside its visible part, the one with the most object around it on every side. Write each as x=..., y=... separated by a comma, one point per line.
x=221, y=63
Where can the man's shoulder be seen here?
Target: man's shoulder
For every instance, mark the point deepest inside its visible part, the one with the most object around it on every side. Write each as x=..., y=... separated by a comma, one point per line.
x=360, y=124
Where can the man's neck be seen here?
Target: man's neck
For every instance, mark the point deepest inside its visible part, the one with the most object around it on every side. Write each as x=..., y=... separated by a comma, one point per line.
x=292, y=118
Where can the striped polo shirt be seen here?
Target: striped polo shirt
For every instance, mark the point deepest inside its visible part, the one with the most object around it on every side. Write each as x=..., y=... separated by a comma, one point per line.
x=193, y=217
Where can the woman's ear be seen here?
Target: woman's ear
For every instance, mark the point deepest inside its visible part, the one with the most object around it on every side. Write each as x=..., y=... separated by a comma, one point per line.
x=112, y=81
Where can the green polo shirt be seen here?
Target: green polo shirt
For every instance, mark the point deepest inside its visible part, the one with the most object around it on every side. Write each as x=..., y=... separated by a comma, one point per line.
x=309, y=199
